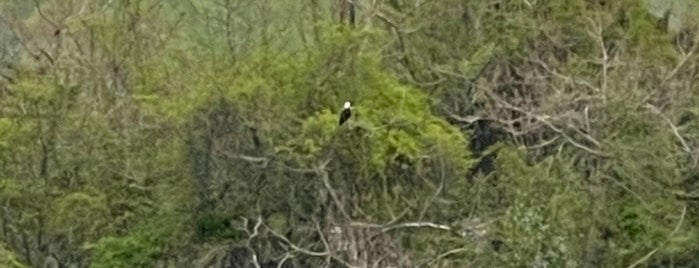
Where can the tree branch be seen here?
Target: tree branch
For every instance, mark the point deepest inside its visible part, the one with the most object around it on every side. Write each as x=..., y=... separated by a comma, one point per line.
x=296, y=248
x=657, y=111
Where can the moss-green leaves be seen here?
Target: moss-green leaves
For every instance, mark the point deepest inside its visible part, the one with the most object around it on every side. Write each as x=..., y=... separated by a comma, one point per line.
x=137, y=249
x=544, y=221
x=8, y=258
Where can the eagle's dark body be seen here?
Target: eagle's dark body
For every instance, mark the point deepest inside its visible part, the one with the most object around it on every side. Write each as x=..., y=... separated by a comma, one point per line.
x=346, y=113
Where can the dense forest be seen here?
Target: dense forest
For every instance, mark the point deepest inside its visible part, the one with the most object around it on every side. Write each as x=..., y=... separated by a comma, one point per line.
x=484, y=133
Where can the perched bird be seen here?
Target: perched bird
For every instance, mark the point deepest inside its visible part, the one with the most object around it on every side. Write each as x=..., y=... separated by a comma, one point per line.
x=346, y=112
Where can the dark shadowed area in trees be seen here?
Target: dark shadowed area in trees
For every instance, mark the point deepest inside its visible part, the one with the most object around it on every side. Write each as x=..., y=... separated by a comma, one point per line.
x=484, y=133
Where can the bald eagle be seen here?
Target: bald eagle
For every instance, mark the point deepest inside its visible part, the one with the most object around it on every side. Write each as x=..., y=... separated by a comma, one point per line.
x=346, y=112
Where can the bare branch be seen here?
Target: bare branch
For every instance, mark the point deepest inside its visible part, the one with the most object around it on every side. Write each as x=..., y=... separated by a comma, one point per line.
x=38, y=9
x=266, y=161
x=255, y=233
x=544, y=119
x=564, y=77
x=450, y=252
x=657, y=111
x=326, y=182
x=254, y=159
x=404, y=225
x=543, y=144
x=681, y=195
x=286, y=257
x=597, y=34
x=429, y=203
x=417, y=225
x=685, y=57
x=324, y=240
x=296, y=248
x=469, y=119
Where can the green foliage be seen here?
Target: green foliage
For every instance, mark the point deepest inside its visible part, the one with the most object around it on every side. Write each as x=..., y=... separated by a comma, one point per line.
x=8, y=258
x=134, y=133
x=137, y=249
x=81, y=213
x=9, y=189
x=643, y=31
x=5, y=127
x=396, y=118
x=215, y=226
x=649, y=227
x=542, y=225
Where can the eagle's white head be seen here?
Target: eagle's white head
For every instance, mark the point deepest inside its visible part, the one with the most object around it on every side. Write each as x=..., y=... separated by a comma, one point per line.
x=347, y=105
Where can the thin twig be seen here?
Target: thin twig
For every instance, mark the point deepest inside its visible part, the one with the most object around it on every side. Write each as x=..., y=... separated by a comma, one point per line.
x=325, y=242
x=544, y=119
x=564, y=77
x=685, y=58
x=326, y=182
x=632, y=192
x=403, y=225
x=417, y=225
x=543, y=144
x=469, y=119
x=657, y=111
x=286, y=257
x=450, y=252
x=296, y=248
x=436, y=193
x=41, y=14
